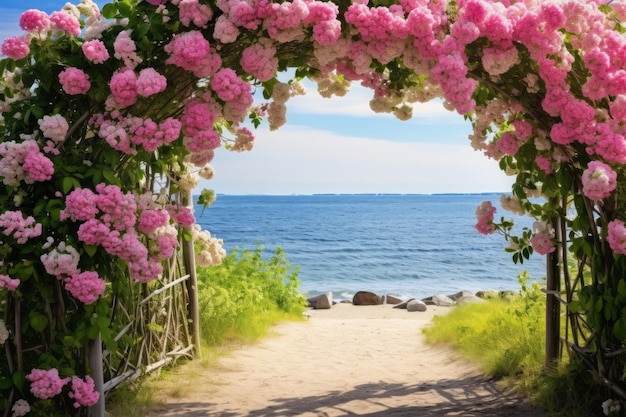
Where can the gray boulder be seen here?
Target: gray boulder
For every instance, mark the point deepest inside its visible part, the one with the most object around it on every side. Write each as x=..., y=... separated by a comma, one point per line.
x=404, y=304
x=416, y=305
x=392, y=299
x=439, y=300
x=321, y=302
x=366, y=298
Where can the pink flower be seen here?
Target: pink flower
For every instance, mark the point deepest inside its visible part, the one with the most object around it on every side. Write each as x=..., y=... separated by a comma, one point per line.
x=260, y=60
x=46, y=384
x=38, y=166
x=54, y=127
x=95, y=51
x=85, y=286
x=84, y=392
x=616, y=236
x=542, y=243
x=171, y=129
x=228, y=85
x=191, y=51
x=21, y=228
x=9, y=283
x=125, y=48
x=544, y=163
x=150, y=82
x=80, y=205
x=181, y=215
x=16, y=47
x=63, y=21
x=484, y=214
x=74, y=81
x=124, y=88
x=191, y=11
x=150, y=220
x=202, y=140
x=34, y=20
x=196, y=116
x=93, y=232
x=599, y=180
x=507, y=144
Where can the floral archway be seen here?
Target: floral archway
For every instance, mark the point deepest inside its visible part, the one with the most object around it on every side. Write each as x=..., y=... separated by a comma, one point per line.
x=109, y=115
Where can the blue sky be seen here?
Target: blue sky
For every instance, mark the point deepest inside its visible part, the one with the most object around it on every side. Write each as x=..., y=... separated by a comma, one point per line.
x=338, y=145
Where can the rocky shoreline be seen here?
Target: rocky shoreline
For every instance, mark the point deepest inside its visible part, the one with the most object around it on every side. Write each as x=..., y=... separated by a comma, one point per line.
x=367, y=298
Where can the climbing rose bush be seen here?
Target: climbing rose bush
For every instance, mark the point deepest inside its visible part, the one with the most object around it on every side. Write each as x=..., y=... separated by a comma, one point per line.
x=103, y=108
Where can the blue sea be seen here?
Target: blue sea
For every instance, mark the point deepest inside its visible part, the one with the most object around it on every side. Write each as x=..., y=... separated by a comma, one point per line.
x=407, y=245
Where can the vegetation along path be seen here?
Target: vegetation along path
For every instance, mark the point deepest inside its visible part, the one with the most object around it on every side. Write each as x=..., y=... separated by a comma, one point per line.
x=349, y=360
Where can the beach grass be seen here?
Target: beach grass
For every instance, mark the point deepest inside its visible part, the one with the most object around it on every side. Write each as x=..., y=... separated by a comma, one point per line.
x=506, y=339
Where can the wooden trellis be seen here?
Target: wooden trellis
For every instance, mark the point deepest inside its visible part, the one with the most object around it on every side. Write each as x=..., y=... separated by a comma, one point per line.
x=162, y=327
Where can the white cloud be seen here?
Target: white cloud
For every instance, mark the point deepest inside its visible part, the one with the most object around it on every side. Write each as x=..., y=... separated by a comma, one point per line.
x=356, y=104
x=297, y=160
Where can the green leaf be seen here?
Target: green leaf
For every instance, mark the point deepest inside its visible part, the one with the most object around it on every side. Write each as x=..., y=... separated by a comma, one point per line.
x=90, y=250
x=19, y=380
x=619, y=329
x=67, y=184
x=38, y=321
x=109, y=11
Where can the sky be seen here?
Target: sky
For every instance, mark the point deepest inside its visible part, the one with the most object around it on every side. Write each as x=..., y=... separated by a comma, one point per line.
x=339, y=145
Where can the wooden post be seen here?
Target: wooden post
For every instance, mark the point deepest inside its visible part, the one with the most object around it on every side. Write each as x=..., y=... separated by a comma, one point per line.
x=192, y=282
x=553, y=305
x=95, y=362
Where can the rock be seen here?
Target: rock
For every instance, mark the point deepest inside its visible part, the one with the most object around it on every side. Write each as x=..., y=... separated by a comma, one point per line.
x=404, y=304
x=507, y=295
x=416, y=305
x=321, y=302
x=461, y=294
x=365, y=298
x=465, y=297
x=439, y=300
x=392, y=299
x=487, y=294
x=471, y=298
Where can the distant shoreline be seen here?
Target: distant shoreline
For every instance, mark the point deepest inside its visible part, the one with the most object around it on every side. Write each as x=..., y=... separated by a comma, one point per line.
x=360, y=194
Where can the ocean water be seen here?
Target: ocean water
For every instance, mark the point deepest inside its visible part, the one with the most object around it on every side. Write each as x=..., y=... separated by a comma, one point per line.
x=407, y=245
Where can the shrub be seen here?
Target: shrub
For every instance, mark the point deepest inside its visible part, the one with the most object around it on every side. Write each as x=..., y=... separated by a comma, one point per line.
x=244, y=295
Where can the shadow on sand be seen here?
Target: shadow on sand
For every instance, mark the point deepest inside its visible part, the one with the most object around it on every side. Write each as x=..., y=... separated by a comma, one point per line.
x=468, y=397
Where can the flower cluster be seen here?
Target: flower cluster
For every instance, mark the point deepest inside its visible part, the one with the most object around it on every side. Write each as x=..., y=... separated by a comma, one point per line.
x=484, y=215
x=45, y=384
x=84, y=392
x=14, y=224
x=24, y=162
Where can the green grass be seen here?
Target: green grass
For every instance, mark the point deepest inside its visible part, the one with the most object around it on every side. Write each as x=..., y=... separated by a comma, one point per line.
x=506, y=338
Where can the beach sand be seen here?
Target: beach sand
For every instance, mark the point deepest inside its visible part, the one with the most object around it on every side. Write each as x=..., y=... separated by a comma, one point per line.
x=346, y=361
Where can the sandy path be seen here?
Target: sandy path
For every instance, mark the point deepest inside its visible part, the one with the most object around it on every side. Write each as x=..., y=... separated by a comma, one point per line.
x=346, y=361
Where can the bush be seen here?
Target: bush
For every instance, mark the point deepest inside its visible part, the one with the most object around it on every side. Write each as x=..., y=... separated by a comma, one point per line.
x=246, y=294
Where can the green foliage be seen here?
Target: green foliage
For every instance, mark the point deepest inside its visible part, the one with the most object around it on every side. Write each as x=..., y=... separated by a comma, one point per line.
x=246, y=293
x=507, y=340
x=505, y=336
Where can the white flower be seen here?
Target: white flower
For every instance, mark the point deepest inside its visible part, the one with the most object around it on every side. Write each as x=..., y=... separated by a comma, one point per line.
x=20, y=408
x=610, y=406
x=4, y=333
x=207, y=172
